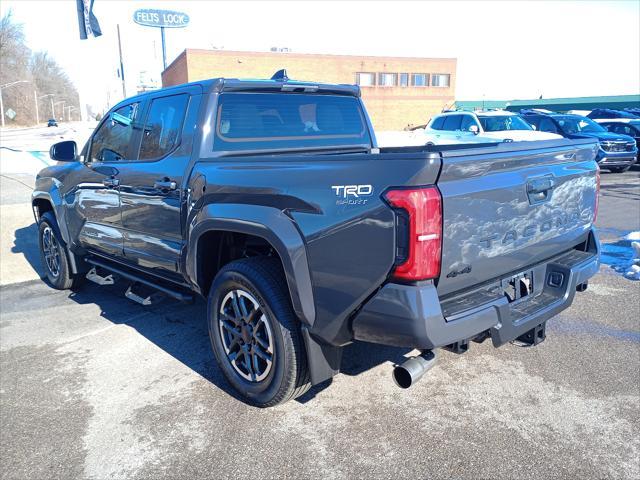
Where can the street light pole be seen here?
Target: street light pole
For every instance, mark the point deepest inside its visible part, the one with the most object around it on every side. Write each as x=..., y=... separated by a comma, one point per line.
x=54, y=114
x=1, y=103
x=51, y=95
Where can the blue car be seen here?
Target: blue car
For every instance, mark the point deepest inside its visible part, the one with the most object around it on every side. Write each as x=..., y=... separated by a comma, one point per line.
x=616, y=153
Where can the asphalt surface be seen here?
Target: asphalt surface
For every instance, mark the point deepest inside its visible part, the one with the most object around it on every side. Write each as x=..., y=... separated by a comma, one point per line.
x=95, y=386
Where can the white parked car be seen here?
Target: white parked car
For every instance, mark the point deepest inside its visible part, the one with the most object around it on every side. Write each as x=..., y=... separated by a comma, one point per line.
x=488, y=126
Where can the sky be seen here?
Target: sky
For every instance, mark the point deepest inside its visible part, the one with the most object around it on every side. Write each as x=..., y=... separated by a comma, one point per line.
x=505, y=50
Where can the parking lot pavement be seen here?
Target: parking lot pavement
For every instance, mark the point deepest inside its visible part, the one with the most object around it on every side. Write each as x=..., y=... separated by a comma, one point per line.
x=94, y=386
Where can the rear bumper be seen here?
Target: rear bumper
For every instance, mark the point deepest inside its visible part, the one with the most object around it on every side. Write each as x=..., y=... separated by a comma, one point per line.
x=413, y=316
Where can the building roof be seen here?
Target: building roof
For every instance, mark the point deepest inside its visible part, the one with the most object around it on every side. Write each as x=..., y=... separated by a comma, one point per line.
x=564, y=103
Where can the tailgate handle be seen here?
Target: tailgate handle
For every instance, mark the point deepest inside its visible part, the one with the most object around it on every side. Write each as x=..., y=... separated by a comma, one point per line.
x=540, y=185
x=539, y=190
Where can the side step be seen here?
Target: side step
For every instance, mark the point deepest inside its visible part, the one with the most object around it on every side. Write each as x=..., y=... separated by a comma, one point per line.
x=139, y=297
x=171, y=292
x=95, y=277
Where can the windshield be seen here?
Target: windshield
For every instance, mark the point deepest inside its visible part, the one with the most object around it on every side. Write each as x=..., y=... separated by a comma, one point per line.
x=499, y=123
x=579, y=125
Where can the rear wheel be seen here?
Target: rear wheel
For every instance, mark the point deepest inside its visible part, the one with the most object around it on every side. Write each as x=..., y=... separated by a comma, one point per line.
x=53, y=254
x=618, y=169
x=255, y=334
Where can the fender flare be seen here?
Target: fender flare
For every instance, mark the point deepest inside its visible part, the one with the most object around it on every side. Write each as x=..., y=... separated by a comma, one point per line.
x=268, y=223
x=47, y=189
x=52, y=195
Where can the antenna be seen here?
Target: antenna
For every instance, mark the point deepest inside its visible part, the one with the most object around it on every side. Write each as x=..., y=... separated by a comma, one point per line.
x=281, y=76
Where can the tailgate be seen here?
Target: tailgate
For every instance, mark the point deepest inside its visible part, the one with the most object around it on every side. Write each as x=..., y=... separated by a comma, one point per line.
x=510, y=207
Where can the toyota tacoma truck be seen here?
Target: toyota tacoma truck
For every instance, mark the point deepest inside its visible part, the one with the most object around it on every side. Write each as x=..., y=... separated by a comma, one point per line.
x=271, y=199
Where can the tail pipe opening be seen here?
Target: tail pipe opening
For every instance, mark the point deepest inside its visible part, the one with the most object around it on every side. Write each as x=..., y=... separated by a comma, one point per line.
x=413, y=369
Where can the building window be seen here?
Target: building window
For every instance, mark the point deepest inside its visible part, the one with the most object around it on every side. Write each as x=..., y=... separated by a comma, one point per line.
x=388, y=79
x=404, y=80
x=365, y=79
x=420, y=79
x=440, y=79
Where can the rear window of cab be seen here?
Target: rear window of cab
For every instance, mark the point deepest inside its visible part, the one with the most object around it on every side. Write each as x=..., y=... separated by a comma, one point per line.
x=276, y=121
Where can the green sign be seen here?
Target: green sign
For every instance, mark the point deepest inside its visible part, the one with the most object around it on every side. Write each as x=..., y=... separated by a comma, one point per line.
x=11, y=114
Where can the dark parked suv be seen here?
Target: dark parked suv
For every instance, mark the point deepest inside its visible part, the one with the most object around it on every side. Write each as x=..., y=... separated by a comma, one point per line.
x=606, y=113
x=616, y=152
x=624, y=126
x=271, y=200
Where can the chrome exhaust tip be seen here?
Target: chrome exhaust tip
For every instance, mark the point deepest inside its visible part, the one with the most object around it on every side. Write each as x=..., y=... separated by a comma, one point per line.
x=412, y=370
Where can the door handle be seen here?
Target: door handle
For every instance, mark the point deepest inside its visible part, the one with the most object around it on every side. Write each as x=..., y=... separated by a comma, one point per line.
x=165, y=185
x=111, y=182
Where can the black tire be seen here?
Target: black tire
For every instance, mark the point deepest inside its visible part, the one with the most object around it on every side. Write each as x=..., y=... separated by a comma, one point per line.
x=52, y=245
x=272, y=321
x=619, y=169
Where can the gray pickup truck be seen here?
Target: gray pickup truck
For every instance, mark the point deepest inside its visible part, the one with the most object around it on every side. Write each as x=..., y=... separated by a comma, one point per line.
x=270, y=199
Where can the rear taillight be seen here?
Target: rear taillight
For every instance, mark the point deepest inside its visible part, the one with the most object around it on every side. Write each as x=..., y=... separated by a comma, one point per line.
x=595, y=208
x=423, y=207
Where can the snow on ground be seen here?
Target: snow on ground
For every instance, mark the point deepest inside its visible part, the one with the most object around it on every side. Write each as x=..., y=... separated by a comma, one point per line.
x=623, y=256
x=16, y=161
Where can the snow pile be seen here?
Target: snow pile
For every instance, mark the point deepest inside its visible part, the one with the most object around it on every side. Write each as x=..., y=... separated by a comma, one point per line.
x=634, y=269
x=623, y=256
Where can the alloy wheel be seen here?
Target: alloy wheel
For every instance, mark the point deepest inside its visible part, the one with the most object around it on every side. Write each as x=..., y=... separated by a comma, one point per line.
x=51, y=251
x=246, y=335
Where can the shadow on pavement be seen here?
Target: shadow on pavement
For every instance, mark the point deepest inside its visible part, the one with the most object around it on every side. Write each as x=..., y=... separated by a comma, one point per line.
x=26, y=243
x=181, y=331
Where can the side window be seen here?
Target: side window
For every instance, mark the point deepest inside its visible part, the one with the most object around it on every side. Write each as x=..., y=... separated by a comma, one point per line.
x=437, y=123
x=452, y=122
x=467, y=122
x=533, y=121
x=547, y=125
x=111, y=142
x=163, y=125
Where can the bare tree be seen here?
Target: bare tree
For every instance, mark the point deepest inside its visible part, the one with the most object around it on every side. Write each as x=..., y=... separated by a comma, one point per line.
x=43, y=74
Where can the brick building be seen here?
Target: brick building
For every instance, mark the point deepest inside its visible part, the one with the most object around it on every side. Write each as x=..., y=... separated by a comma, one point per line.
x=398, y=91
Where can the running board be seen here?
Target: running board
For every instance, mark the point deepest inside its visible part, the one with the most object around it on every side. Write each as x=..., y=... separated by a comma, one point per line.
x=173, y=293
x=93, y=276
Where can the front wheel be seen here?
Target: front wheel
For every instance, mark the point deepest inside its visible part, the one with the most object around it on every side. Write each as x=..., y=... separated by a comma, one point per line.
x=255, y=334
x=618, y=169
x=53, y=254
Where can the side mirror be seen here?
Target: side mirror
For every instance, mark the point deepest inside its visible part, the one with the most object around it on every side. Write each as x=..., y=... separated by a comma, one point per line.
x=474, y=129
x=66, y=151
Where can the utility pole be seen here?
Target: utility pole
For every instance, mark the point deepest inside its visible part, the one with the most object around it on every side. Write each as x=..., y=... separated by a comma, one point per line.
x=35, y=99
x=124, y=88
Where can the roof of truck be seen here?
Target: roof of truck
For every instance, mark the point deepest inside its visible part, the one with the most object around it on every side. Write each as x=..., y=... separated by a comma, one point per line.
x=255, y=85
